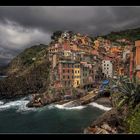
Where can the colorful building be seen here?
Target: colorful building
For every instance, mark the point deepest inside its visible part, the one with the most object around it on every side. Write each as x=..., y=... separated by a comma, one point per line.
x=77, y=75
x=87, y=73
x=66, y=73
x=137, y=59
x=107, y=68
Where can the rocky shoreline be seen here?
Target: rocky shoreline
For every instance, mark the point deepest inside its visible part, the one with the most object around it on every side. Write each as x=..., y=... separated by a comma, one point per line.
x=110, y=122
x=80, y=98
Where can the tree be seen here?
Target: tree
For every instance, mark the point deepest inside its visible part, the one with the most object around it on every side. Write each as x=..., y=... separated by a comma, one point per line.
x=56, y=35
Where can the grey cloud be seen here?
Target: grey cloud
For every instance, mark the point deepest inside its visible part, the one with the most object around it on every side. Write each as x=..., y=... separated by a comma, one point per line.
x=23, y=26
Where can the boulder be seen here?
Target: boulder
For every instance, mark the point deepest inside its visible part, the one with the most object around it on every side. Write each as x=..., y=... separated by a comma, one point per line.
x=106, y=127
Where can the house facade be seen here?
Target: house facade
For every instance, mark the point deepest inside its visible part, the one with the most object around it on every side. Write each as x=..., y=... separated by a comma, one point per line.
x=107, y=68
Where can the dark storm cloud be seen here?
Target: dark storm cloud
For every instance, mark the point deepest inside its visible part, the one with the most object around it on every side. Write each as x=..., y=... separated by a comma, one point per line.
x=21, y=27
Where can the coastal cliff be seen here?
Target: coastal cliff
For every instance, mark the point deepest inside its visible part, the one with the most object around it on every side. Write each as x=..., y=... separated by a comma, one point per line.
x=28, y=73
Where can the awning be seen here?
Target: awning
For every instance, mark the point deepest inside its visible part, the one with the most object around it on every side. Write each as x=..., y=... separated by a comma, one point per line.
x=105, y=82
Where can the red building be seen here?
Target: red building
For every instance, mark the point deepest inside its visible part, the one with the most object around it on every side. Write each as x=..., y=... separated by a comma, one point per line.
x=66, y=73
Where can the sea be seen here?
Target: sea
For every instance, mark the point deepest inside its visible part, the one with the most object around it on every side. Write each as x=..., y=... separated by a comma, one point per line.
x=16, y=117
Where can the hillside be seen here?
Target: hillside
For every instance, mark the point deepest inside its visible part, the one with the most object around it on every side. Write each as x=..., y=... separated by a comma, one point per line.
x=129, y=34
x=27, y=73
x=26, y=59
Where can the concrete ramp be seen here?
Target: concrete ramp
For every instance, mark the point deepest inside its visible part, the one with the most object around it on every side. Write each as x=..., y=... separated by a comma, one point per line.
x=82, y=101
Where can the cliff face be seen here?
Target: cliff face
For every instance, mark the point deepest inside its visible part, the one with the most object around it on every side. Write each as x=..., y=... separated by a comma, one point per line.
x=27, y=73
x=26, y=59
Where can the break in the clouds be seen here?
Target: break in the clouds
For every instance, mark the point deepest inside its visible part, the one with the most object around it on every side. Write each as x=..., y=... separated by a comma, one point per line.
x=21, y=27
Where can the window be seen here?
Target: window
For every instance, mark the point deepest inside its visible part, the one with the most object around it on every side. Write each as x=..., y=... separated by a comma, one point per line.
x=63, y=77
x=65, y=83
x=72, y=77
x=107, y=68
x=72, y=71
x=78, y=71
x=63, y=71
x=68, y=71
x=69, y=65
x=75, y=71
x=77, y=82
x=107, y=64
x=104, y=64
x=68, y=77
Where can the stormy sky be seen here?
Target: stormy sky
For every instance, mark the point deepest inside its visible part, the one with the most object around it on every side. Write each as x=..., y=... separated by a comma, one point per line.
x=21, y=27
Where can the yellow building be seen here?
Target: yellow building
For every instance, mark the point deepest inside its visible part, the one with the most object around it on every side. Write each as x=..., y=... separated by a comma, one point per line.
x=97, y=44
x=67, y=53
x=76, y=75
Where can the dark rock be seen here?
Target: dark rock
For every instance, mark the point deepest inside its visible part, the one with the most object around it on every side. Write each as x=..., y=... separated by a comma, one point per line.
x=105, y=117
x=111, y=121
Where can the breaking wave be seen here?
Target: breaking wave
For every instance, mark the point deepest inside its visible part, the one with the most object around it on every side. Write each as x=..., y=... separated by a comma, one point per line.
x=66, y=108
x=100, y=106
x=19, y=105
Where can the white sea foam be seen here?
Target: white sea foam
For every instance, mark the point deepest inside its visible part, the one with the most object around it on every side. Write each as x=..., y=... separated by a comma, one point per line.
x=100, y=106
x=70, y=108
x=19, y=105
x=66, y=108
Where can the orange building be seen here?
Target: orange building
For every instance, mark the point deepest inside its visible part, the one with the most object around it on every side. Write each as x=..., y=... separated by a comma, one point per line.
x=121, y=71
x=137, y=59
x=115, y=50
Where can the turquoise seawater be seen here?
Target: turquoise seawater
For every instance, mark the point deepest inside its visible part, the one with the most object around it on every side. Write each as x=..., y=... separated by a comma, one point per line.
x=15, y=117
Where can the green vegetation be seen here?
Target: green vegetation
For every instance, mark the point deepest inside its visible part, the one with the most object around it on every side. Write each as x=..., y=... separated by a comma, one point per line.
x=129, y=91
x=128, y=96
x=133, y=121
x=56, y=35
x=27, y=59
x=28, y=73
x=130, y=34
